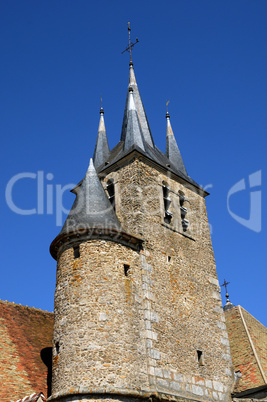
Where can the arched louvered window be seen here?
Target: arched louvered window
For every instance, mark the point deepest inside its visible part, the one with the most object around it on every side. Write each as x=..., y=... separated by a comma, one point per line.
x=167, y=202
x=183, y=211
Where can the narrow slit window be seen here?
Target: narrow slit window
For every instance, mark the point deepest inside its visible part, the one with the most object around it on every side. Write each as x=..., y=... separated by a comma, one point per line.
x=126, y=269
x=57, y=347
x=167, y=203
x=76, y=251
x=200, y=358
x=111, y=192
x=169, y=258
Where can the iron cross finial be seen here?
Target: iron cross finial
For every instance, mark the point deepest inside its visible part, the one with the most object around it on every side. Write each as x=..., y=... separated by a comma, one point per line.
x=129, y=48
x=225, y=285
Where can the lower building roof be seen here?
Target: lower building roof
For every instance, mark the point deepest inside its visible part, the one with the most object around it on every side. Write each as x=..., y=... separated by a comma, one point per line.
x=24, y=332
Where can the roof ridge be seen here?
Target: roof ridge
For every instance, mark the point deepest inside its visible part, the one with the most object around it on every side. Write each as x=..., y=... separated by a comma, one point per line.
x=252, y=345
x=251, y=316
x=25, y=306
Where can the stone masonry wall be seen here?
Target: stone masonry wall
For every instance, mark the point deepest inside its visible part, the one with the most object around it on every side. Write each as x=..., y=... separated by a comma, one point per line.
x=98, y=320
x=141, y=335
x=183, y=312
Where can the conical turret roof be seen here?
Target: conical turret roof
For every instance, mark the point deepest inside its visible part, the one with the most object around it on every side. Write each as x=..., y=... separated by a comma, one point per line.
x=91, y=217
x=172, y=151
x=91, y=208
x=102, y=151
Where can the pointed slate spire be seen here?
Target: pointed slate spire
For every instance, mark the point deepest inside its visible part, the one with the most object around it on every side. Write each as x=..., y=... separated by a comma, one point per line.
x=91, y=208
x=102, y=151
x=91, y=217
x=133, y=134
x=172, y=151
x=144, y=125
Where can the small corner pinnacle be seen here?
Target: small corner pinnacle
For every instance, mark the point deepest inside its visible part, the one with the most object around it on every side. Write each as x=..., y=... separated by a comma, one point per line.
x=91, y=164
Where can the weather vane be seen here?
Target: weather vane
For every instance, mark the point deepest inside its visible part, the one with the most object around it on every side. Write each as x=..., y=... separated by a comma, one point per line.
x=129, y=48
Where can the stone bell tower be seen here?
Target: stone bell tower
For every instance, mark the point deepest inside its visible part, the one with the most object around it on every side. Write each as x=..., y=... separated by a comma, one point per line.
x=138, y=311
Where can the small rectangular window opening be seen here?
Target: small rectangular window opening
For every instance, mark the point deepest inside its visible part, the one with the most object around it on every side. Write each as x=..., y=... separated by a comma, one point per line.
x=126, y=269
x=200, y=358
x=76, y=251
x=169, y=258
x=57, y=348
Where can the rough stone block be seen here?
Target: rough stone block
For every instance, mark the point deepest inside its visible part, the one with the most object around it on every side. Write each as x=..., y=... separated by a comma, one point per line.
x=151, y=335
x=221, y=325
x=224, y=341
x=166, y=374
x=158, y=372
x=197, y=390
x=218, y=386
x=226, y=356
x=178, y=377
x=208, y=383
x=216, y=295
x=176, y=386
x=103, y=317
x=162, y=383
x=214, y=281
x=154, y=354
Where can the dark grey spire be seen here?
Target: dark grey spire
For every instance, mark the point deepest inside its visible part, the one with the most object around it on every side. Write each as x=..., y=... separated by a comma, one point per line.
x=172, y=151
x=91, y=217
x=133, y=133
x=141, y=114
x=91, y=208
x=102, y=151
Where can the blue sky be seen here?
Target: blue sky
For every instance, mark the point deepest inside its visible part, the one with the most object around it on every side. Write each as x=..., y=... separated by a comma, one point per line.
x=208, y=57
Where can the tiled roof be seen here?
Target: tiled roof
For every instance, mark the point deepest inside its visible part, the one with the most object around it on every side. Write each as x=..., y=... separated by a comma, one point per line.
x=248, y=344
x=24, y=332
x=33, y=398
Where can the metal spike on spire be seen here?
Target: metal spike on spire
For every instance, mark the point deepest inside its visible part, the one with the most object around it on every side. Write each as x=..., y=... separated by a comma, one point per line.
x=129, y=48
x=172, y=150
x=167, y=103
x=102, y=151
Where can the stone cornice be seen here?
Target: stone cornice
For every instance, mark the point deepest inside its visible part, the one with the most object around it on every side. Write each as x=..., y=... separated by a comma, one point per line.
x=67, y=240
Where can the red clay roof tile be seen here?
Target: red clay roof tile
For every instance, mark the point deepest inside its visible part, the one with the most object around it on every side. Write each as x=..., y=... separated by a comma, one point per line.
x=24, y=332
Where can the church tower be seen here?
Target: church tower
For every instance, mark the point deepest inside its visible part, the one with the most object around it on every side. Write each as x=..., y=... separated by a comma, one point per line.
x=138, y=311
